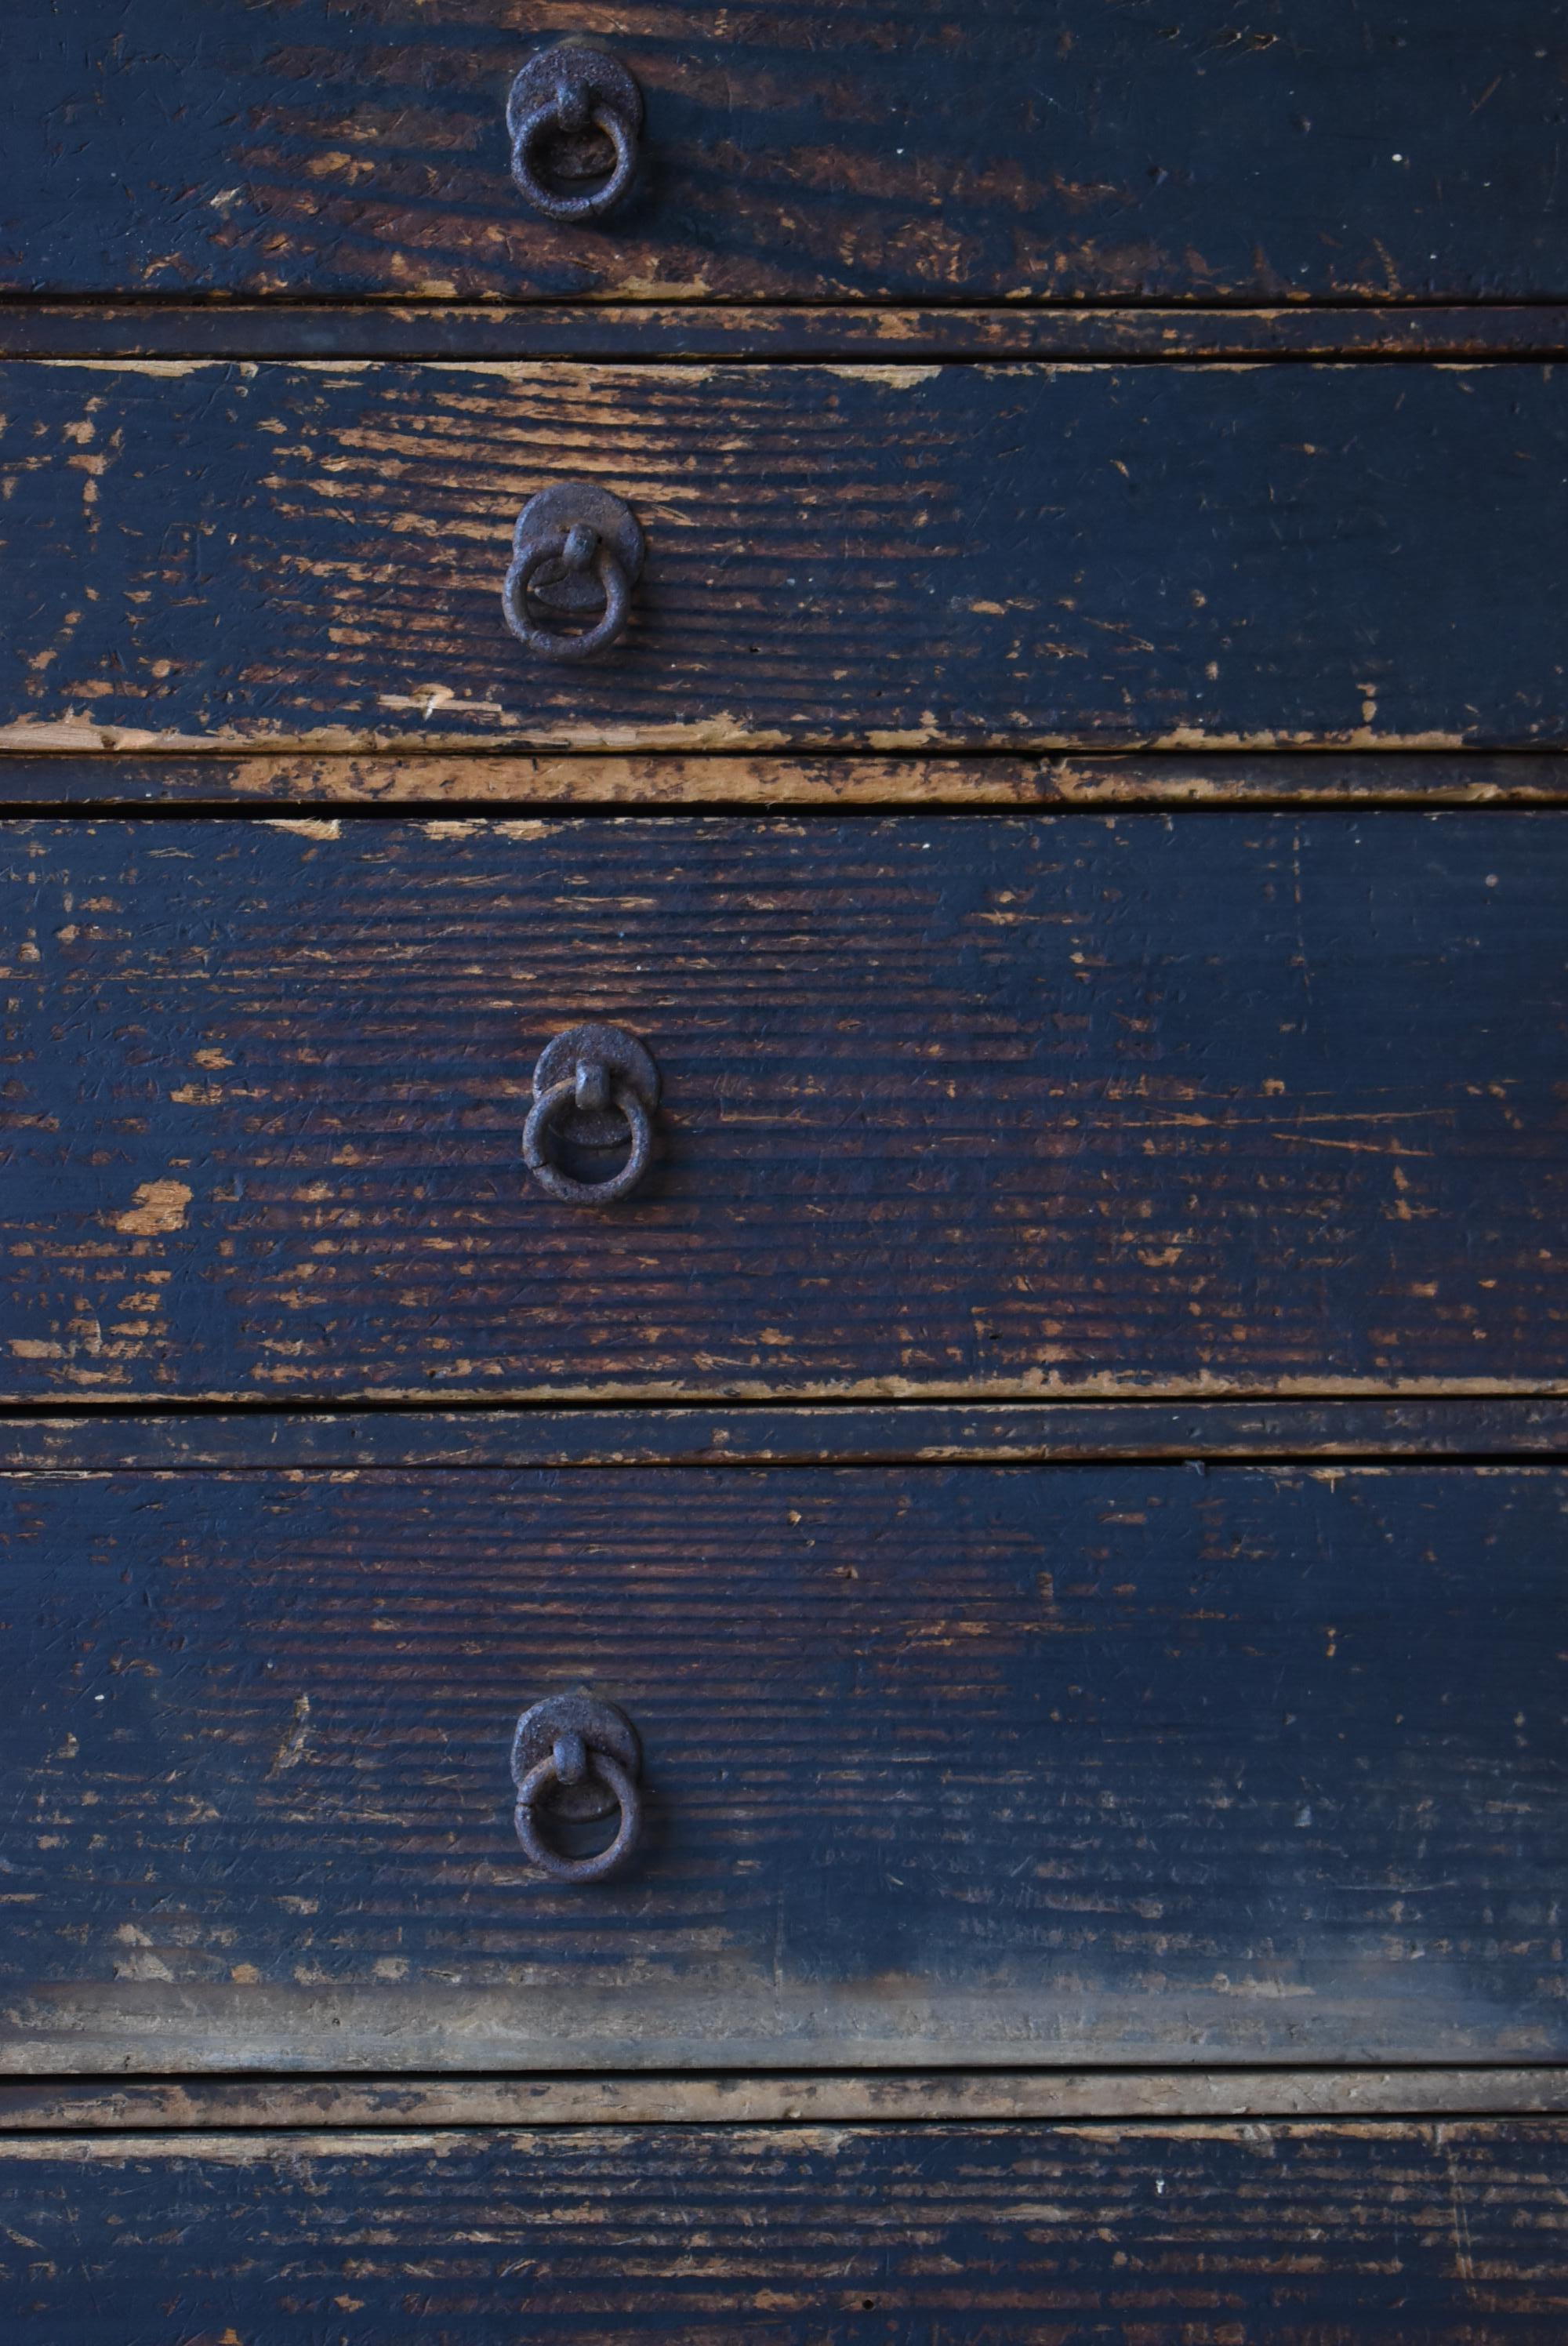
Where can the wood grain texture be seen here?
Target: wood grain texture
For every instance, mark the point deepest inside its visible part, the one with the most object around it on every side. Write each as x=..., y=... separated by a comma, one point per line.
x=779, y=332
x=980, y=1109
x=909, y=149
x=844, y=1433
x=489, y=779
x=1113, y=1765
x=1288, y=2235
x=888, y=559
x=215, y=2104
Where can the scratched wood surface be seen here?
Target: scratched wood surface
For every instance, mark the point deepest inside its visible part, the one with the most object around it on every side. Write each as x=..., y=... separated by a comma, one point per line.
x=1127, y=1765
x=888, y=559
x=982, y=1107
x=909, y=149
x=486, y=780
x=1284, y=2235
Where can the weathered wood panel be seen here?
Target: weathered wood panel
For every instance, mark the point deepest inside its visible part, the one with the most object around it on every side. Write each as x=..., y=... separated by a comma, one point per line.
x=885, y=558
x=488, y=779
x=1291, y=2235
x=983, y=1108
x=749, y=329
x=909, y=150
x=839, y=1434
x=1125, y=1765
x=209, y=2105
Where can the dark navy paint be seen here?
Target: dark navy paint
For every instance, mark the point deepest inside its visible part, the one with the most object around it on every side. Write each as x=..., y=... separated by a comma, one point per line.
x=1279, y=556
x=1394, y=2235
x=1155, y=1760
x=908, y=151
x=990, y=1105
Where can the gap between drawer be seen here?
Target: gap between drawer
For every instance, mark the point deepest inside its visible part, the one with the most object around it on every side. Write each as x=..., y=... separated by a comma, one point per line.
x=228, y=2104
x=1461, y=1430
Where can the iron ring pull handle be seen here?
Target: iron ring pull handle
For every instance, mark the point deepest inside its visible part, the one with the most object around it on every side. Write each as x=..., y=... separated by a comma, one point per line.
x=572, y=551
x=593, y=1085
x=575, y=544
x=563, y=96
x=585, y=1750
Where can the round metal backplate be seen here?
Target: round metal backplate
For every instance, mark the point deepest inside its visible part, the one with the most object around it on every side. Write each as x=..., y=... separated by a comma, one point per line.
x=601, y=80
x=600, y=1725
x=568, y=504
x=607, y=1046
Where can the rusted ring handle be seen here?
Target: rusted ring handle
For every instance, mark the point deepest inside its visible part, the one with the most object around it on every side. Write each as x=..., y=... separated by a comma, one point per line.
x=575, y=547
x=554, y=118
x=589, y=1752
x=566, y=1766
x=594, y=1086
x=564, y=94
x=572, y=551
x=562, y=1186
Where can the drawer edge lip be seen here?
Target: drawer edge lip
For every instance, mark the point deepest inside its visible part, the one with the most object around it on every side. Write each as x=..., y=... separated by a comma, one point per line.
x=200, y=2104
x=610, y=332
x=659, y=741
x=107, y=781
x=1459, y=1429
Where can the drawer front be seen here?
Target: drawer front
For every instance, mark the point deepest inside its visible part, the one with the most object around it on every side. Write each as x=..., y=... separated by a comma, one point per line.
x=912, y=150
x=1130, y=1765
x=1280, y=2235
x=997, y=1105
x=896, y=557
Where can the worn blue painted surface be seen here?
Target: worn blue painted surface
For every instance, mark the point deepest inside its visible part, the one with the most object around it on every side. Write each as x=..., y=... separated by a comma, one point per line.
x=895, y=559
x=344, y=147
x=987, y=1106
x=1393, y=2235
x=1100, y=1763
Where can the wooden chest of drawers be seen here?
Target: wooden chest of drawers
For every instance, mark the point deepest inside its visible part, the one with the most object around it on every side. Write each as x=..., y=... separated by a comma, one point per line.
x=783, y=1349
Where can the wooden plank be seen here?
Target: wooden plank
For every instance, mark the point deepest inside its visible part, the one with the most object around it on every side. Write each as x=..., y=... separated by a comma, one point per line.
x=842, y=1435
x=222, y=2104
x=914, y=151
x=886, y=558
x=749, y=329
x=997, y=1109
x=479, y=782
x=1120, y=1767
x=1287, y=2235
